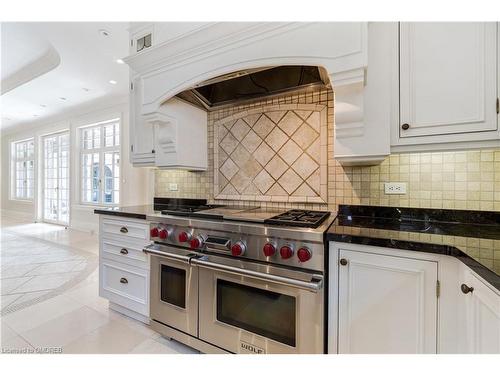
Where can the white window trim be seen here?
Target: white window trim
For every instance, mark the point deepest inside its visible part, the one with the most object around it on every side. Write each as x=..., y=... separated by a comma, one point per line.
x=13, y=171
x=101, y=151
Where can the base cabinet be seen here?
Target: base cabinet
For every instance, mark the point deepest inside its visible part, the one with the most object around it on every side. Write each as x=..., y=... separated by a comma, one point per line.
x=123, y=267
x=386, y=304
x=390, y=301
x=482, y=316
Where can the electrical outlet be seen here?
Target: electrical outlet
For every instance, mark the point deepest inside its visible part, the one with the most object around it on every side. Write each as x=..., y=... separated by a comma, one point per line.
x=395, y=187
x=172, y=187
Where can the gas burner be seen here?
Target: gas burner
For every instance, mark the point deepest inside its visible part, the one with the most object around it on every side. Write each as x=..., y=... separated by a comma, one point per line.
x=299, y=218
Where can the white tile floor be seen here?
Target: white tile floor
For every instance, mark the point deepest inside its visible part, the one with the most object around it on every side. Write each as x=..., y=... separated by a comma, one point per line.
x=76, y=319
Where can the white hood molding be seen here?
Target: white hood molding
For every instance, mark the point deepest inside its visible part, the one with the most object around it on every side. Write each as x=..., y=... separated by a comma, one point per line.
x=215, y=49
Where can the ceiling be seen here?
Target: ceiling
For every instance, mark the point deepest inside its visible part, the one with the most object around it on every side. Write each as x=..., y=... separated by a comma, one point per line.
x=48, y=68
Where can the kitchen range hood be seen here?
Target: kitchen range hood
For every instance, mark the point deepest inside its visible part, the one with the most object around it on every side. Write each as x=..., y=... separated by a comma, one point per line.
x=253, y=84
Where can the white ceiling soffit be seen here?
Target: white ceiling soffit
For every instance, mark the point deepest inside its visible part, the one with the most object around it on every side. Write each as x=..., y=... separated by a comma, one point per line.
x=33, y=57
x=48, y=68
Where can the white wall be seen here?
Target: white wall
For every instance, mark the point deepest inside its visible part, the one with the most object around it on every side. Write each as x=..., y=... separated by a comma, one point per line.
x=135, y=182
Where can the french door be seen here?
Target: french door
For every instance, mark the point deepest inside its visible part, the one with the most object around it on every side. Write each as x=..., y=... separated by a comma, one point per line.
x=56, y=178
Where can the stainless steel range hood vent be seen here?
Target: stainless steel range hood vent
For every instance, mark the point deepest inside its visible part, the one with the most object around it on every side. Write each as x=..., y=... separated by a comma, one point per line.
x=255, y=84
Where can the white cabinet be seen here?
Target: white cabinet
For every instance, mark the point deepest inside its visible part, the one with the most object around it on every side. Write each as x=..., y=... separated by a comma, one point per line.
x=386, y=304
x=180, y=135
x=142, y=152
x=482, y=316
x=448, y=83
x=123, y=267
x=175, y=136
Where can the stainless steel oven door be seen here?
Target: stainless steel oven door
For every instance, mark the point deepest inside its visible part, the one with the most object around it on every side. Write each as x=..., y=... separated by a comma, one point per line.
x=173, y=288
x=246, y=307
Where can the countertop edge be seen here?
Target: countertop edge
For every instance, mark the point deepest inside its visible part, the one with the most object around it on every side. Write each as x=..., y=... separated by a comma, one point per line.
x=121, y=214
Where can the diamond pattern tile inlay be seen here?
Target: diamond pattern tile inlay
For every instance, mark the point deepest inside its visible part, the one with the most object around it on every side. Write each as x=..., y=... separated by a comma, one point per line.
x=274, y=153
x=304, y=136
x=263, y=181
x=276, y=138
x=240, y=129
x=276, y=167
x=263, y=126
x=290, y=152
x=304, y=166
x=264, y=153
x=290, y=123
x=276, y=116
x=251, y=141
x=229, y=169
x=290, y=181
x=229, y=143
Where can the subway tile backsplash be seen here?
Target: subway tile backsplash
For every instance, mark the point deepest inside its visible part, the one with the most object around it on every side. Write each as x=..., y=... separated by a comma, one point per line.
x=454, y=180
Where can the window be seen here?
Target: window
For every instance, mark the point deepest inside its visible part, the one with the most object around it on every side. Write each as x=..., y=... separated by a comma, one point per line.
x=23, y=160
x=100, y=161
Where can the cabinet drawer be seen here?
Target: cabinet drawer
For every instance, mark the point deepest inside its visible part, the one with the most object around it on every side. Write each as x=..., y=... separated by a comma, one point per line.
x=125, y=285
x=124, y=252
x=126, y=229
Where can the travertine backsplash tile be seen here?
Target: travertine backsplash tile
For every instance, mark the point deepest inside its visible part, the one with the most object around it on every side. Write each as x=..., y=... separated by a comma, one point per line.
x=455, y=179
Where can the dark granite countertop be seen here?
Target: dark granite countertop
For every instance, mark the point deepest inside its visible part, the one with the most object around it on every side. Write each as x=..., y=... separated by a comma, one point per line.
x=473, y=237
x=135, y=212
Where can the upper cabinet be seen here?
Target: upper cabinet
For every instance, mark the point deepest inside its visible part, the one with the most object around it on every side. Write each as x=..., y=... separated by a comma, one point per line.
x=447, y=85
x=175, y=136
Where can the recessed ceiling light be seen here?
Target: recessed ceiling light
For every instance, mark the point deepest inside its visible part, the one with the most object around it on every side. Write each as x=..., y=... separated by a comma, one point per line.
x=43, y=105
x=35, y=115
x=85, y=89
x=113, y=82
x=120, y=61
x=104, y=32
x=62, y=98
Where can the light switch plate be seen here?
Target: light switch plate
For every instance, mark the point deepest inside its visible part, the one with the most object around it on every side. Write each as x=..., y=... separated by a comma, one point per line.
x=395, y=187
x=172, y=187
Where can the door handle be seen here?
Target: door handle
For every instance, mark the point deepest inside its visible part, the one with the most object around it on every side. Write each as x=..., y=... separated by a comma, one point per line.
x=124, y=280
x=313, y=286
x=124, y=230
x=153, y=250
x=124, y=251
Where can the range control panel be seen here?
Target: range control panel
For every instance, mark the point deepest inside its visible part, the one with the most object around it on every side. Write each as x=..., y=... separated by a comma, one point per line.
x=268, y=249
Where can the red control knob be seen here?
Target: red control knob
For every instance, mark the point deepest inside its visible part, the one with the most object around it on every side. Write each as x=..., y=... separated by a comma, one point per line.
x=184, y=236
x=163, y=234
x=196, y=242
x=238, y=249
x=269, y=249
x=153, y=232
x=286, y=252
x=304, y=254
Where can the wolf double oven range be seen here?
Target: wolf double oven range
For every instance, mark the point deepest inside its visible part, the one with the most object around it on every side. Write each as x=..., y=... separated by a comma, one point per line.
x=239, y=280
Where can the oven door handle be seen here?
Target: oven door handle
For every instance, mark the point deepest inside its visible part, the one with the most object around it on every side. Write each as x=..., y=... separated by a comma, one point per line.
x=313, y=286
x=150, y=249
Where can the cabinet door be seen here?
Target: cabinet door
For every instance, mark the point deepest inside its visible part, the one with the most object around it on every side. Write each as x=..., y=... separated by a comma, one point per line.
x=386, y=304
x=482, y=317
x=141, y=132
x=448, y=78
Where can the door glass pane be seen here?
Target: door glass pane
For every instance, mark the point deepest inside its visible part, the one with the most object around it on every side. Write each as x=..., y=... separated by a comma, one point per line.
x=260, y=311
x=173, y=286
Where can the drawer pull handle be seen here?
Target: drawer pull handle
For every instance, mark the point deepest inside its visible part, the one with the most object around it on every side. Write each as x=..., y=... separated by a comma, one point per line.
x=124, y=280
x=123, y=230
x=124, y=251
x=466, y=289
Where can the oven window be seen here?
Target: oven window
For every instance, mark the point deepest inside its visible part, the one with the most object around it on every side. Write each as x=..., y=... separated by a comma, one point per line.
x=260, y=311
x=173, y=286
